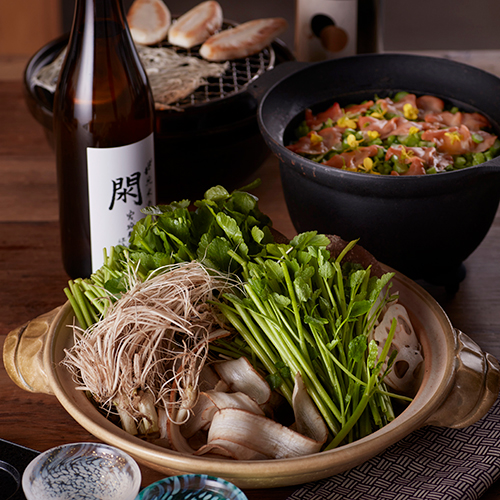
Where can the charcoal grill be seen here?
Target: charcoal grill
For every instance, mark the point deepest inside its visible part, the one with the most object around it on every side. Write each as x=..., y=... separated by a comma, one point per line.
x=211, y=137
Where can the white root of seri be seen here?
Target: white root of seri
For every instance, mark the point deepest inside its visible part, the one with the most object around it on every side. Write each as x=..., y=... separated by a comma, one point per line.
x=154, y=339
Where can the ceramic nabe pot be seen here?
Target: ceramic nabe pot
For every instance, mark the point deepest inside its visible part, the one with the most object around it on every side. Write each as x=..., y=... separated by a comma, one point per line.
x=460, y=383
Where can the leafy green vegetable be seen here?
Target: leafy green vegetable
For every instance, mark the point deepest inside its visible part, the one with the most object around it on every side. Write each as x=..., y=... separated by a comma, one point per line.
x=315, y=315
x=296, y=311
x=223, y=231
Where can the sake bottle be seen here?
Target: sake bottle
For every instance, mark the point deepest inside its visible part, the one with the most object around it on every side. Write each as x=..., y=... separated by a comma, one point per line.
x=103, y=135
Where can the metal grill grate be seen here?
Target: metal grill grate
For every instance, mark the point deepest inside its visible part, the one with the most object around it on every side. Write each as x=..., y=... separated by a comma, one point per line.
x=239, y=75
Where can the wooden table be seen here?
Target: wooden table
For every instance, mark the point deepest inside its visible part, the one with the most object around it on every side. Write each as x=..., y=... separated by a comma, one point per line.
x=32, y=277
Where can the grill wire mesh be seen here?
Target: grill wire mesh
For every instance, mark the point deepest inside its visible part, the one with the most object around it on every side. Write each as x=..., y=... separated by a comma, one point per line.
x=238, y=76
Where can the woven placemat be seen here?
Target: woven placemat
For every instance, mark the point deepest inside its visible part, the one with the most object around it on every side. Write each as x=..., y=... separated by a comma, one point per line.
x=433, y=463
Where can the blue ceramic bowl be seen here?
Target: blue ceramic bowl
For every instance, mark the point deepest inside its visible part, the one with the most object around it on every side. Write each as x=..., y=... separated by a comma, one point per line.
x=192, y=487
x=82, y=471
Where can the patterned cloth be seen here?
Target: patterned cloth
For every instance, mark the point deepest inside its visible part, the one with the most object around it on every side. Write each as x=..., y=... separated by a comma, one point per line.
x=432, y=463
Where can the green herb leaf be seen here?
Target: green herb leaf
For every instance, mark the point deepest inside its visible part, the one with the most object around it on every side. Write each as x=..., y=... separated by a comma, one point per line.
x=282, y=301
x=233, y=232
x=315, y=321
x=372, y=354
x=360, y=308
x=257, y=234
x=302, y=289
x=357, y=348
x=217, y=194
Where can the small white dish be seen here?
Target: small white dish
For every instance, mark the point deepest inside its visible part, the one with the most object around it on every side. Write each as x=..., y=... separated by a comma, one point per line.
x=82, y=471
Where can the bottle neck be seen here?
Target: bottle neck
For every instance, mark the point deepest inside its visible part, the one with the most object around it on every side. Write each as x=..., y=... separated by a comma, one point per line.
x=99, y=18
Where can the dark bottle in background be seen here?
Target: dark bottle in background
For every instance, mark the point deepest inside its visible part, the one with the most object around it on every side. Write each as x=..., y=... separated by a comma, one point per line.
x=103, y=134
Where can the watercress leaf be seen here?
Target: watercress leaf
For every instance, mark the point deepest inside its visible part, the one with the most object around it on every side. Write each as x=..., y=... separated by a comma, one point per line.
x=302, y=289
x=203, y=220
x=304, y=257
x=242, y=202
x=282, y=301
x=293, y=267
x=176, y=246
x=162, y=209
x=372, y=354
x=325, y=270
x=314, y=252
x=253, y=185
x=359, y=308
x=116, y=286
x=357, y=347
x=217, y=253
x=163, y=240
x=277, y=249
x=143, y=236
x=305, y=273
x=310, y=238
x=257, y=234
x=274, y=380
x=178, y=225
x=302, y=240
x=259, y=286
x=257, y=271
x=250, y=221
x=320, y=240
x=217, y=194
x=268, y=235
x=338, y=323
x=331, y=345
x=233, y=232
x=375, y=285
x=274, y=270
x=316, y=321
x=150, y=262
x=356, y=278
x=283, y=369
x=248, y=303
x=326, y=307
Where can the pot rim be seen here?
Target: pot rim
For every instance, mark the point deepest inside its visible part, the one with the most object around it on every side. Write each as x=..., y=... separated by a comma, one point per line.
x=329, y=176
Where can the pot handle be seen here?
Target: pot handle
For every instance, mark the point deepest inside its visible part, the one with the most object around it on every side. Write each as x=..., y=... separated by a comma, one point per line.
x=475, y=386
x=23, y=354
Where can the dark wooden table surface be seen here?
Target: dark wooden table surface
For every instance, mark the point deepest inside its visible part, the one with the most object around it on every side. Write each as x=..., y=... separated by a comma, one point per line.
x=32, y=277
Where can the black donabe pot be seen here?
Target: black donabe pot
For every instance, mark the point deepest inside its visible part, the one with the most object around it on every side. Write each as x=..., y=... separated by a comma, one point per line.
x=214, y=142
x=424, y=226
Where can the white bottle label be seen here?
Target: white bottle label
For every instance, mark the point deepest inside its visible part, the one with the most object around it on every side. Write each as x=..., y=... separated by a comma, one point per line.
x=121, y=181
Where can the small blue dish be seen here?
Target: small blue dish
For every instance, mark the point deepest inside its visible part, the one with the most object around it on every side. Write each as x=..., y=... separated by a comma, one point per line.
x=191, y=487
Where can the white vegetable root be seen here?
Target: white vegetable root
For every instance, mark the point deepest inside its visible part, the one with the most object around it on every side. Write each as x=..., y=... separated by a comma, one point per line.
x=153, y=341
